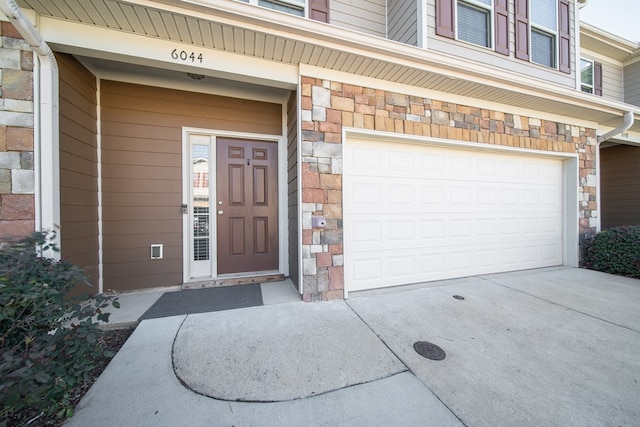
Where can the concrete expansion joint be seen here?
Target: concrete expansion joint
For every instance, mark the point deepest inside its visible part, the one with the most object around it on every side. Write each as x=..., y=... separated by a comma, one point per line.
x=378, y=335
x=397, y=356
x=494, y=282
x=219, y=399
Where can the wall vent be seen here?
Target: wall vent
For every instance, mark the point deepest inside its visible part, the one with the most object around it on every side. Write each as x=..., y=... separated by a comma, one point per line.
x=156, y=251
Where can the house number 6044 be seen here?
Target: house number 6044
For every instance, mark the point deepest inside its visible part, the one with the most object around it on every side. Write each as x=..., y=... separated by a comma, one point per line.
x=183, y=55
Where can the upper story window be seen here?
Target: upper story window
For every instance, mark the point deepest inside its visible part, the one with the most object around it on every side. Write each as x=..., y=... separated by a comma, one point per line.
x=474, y=21
x=316, y=9
x=294, y=7
x=481, y=22
x=591, y=76
x=586, y=76
x=542, y=32
x=544, y=24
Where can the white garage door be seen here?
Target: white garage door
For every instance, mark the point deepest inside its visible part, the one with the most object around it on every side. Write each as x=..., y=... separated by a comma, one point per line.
x=415, y=213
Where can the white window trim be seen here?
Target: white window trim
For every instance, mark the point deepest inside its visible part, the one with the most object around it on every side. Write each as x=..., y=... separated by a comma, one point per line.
x=480, y=5
x=583, y=84
x=549, y=31
x=304, y=5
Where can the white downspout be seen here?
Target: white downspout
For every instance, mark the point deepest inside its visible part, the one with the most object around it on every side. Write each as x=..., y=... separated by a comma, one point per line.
x=46, y=124
x=627, y=122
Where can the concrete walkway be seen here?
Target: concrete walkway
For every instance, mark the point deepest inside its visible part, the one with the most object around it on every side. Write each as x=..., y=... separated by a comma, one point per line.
x=542, y=347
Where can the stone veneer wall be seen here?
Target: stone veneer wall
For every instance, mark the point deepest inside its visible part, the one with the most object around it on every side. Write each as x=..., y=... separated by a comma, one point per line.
x=327, y=106
x=17, y=202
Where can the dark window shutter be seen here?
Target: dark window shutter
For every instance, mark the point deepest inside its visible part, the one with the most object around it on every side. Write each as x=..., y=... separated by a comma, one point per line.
x=564, y=36
x=597, y=78
x=445, y=25
x=319, y=10
x=522, y=29
x=502, y=26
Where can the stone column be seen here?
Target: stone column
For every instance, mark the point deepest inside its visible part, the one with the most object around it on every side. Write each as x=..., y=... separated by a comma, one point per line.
x=17, y=179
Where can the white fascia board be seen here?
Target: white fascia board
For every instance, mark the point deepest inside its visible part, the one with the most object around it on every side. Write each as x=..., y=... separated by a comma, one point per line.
x=322, y=73
x=117, y=45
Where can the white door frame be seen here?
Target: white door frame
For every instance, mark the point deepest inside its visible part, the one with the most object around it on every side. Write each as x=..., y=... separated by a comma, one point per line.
x=186, y=192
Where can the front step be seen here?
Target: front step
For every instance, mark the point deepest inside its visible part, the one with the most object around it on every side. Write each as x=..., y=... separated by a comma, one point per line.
x=215, y=283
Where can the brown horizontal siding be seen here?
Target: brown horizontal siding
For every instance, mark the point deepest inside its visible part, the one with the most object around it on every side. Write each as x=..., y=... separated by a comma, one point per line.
x=138, y=242
x=142, y=144
x=82, y=115
x=80, y=231
x=124, y=269
x=226, y=120
x=78, y=166
x=145, y=226
x=170, y=252
x=146, y=280
x=167, y=212
x=134, y=185
x=172, y=108
x=73, y=202
x=134, y=158
x=78, y=213
x=76, y=142
x=157, y=199
x=142, y=173
x=71, y=163
x=151, y=131
x=77, y=180
x=620, y=192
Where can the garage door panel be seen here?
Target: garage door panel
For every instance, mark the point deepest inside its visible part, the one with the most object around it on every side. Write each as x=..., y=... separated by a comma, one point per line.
x=387, y=195
x=402, y=266
x=417, y=213
x=405, y=230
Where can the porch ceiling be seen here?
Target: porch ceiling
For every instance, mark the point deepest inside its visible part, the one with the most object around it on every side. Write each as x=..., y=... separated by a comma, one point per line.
x=236, y=27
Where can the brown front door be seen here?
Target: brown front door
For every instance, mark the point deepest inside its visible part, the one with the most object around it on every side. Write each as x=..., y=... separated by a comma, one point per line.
x=247, y=205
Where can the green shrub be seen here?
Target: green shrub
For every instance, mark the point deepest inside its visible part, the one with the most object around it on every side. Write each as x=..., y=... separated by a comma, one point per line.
x=47, y=338
x=616, y=251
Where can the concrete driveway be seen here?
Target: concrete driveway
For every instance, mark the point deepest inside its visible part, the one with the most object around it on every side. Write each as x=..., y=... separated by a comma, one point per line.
x=555, y=347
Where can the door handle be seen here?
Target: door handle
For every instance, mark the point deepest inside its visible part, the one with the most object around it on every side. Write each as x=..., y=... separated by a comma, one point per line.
x=185, y=209
x=220, y=212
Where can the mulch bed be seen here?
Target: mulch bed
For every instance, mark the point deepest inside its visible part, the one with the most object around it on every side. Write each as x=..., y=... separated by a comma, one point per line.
x=114, y=340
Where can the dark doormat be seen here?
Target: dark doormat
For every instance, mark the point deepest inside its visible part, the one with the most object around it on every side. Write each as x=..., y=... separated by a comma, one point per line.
x=204, y=300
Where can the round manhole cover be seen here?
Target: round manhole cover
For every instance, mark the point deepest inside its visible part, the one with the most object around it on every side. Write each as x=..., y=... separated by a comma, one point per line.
x=429, y=350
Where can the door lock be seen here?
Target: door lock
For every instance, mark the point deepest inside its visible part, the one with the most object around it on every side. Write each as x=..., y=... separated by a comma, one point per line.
x=185, y=209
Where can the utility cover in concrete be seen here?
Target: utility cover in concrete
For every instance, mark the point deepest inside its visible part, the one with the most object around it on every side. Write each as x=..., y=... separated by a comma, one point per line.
x=280, y=352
